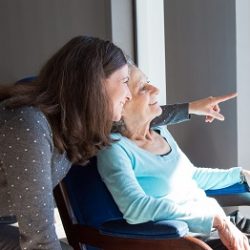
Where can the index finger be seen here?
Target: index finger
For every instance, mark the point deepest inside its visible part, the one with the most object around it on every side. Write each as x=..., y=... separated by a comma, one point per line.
x=223, y=98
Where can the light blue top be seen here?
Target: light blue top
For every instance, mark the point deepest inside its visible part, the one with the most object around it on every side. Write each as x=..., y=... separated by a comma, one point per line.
x=149, y=187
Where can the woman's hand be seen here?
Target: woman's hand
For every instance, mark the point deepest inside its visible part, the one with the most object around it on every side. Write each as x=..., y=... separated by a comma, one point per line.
x=246, y=174
x=230, y=235
x=209, y=107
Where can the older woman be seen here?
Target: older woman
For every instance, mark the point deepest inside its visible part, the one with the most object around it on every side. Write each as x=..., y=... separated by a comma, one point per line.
x=151, y=179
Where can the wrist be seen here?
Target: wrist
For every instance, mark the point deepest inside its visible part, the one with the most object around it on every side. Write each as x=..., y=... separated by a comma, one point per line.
x=190, y=108
x=242, y=176
x=219, y=222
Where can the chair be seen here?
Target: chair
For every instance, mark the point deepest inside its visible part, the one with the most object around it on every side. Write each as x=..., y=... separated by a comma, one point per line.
x=26, y=79
x=91, y=218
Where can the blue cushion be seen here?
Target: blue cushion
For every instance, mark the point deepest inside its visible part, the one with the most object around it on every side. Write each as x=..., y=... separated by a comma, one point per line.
x=154, y=230
x=234, y=189
x=91, y=201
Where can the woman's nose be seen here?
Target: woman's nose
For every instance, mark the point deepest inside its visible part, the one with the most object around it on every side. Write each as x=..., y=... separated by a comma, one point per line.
x=154, y=89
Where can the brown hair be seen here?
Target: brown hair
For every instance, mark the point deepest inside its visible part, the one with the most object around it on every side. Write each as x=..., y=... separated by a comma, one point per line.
x=69, y=90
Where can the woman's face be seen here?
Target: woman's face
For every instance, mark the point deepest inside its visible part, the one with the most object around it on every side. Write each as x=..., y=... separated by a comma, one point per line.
x=144, y=106
x=118, y=91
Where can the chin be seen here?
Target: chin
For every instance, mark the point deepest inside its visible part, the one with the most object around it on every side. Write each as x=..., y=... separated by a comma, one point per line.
x=158, y=111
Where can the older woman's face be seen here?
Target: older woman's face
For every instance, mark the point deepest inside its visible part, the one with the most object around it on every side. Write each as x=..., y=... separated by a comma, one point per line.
x=143, y=105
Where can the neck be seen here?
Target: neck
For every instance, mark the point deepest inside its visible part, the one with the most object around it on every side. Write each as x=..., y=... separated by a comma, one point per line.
x=138, y=131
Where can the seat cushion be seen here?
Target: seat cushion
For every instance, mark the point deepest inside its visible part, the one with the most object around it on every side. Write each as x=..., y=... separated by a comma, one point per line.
x=154, y=230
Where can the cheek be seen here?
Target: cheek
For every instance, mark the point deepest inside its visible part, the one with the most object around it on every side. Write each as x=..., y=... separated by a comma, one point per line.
x=115, y=95
x=120, y=92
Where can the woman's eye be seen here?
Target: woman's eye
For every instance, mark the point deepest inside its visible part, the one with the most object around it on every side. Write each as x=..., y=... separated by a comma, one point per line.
x=144, y=87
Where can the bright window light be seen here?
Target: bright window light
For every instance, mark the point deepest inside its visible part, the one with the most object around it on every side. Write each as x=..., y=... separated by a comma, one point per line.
x=151, y=43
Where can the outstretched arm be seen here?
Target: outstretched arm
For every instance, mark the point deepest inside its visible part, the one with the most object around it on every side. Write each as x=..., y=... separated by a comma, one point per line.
x=209, y=107
x=172, y=114
x=176, y=113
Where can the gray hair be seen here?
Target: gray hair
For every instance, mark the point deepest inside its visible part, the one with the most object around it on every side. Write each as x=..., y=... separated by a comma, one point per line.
x=118, y=127
x=130, y=62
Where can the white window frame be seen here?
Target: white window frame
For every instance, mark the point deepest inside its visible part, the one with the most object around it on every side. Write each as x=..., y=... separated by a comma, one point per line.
x=151, y=43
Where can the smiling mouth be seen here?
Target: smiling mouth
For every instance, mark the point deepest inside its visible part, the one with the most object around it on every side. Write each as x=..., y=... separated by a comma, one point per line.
x=153, y=103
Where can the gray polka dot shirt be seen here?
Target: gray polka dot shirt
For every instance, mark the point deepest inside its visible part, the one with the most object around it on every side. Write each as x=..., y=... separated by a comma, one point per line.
x=30, y=167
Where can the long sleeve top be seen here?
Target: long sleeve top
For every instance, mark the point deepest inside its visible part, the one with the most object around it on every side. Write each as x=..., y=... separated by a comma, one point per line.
x=149, y=187
x=172, y=114
x=30, y=167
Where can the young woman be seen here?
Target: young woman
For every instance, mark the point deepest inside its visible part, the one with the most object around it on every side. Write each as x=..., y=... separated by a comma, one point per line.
x=61, y=118
x=151, y=179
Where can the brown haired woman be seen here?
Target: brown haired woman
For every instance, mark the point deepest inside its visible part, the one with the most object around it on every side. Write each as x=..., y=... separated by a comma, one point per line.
x=63, y=117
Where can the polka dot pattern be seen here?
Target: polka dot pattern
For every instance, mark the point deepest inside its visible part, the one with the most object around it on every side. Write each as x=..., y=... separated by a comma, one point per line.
x=30, y=167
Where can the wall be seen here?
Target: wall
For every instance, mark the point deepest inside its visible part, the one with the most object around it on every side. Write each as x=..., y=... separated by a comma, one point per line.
x=122, y=24
x=32, y=30
x=201, y=61
x=243, y=80
x=243, y=85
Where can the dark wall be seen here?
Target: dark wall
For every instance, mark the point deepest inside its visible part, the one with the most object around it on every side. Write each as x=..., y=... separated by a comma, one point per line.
x=32, y=30
x=201, y=61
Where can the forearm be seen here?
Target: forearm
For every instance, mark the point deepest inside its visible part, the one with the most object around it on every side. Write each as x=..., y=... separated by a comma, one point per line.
x=214, y=178
x=229, y=234
x=172, y=114
x=198, y=215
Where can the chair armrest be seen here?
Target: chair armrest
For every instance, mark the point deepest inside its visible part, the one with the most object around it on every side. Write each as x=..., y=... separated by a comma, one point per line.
x=235, y=195
x=233, y=189
x=165, y=229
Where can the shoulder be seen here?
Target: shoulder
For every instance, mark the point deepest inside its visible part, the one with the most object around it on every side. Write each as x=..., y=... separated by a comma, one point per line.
x=27, y=114
x=26, y=120
x=116, y=136
x=119, y=145
x=116, y=157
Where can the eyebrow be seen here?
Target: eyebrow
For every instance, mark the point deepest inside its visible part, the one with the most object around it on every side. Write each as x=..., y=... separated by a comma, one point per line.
x=143, y=79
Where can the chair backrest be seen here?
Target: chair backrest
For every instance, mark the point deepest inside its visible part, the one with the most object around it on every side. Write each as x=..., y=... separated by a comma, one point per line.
x=89, y=198
x=27, y=79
